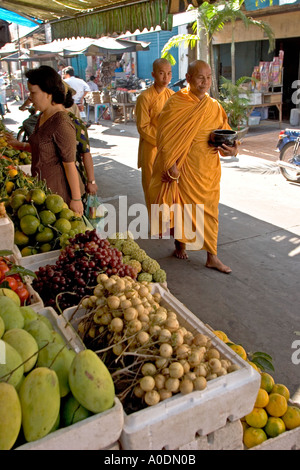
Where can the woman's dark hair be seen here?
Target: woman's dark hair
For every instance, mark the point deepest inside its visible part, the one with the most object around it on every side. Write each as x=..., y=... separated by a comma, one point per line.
x=69, y=100
x=49, y=81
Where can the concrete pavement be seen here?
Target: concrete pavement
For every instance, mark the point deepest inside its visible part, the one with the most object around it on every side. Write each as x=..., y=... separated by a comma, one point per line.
x=259, y=237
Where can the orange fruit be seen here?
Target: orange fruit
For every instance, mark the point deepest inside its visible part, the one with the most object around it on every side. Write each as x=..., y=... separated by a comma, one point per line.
x=9, y=186
x=47, y=217
x=17, y=199
x=45, y=247
x=257, y=418
x=221, y=335
x=253, y=437
x=46, y=235
x=63, y=225
x=277, y=405
x=26, y=209
x=29, y=224
x=267, y=382
x=262, y=398
x=12, y=172
x=37, y=196
x=54, y=203
x=239, y=350
x=282, y=390
x=291, y=417
x=66, y=213
x=20, y=238
x=274, y=427
x=28, y=250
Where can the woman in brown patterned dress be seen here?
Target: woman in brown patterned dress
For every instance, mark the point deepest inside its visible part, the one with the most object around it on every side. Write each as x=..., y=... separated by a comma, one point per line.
x=53, y=142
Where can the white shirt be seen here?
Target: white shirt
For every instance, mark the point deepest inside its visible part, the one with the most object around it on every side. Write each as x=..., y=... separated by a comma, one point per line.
x=79, y=85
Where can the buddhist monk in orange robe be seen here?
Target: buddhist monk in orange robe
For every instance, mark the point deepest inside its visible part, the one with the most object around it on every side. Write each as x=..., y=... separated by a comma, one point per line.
x=148, y=106
x=187, y=171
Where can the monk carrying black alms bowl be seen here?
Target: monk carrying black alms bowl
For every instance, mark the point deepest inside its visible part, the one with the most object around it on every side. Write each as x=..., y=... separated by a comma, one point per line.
x=222, y=136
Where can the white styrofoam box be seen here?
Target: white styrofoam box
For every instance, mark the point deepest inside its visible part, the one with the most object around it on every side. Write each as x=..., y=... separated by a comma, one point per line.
x=179, y=419
x=26, y=169
x=253, y=120
x=99, y=431
x=254, y=98
x=7, y=233
x=288, y=440
x=229, y=437
x=34, y=301
x=34, y=262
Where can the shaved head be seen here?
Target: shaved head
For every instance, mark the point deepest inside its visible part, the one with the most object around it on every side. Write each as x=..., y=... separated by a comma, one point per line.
x=160, y=62
x=196, y=65
x=199, y=77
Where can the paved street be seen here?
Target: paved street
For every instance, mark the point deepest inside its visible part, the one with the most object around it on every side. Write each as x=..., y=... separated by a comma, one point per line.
x=259, y=237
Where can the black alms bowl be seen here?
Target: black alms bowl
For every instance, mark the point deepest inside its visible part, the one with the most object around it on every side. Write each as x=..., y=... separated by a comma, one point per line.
x=222, y=136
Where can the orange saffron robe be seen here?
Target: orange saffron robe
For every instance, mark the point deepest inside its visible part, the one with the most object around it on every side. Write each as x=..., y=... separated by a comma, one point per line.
x=148, y=107
x=183, y=133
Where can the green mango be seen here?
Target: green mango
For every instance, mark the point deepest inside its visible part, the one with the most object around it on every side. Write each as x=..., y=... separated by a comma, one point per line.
x=57, y=338
x=25, y=344
x=11, y=416
x=29, y=314
x=13, y=361
x=10, y=313
x=58, y=358
x=45, y=320
x=72, y=411
x=2, y=327
x=40, y=402
x=90, y=382
x=40, y=331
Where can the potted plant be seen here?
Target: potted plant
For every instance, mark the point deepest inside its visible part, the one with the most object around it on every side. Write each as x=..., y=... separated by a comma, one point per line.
x=235, y=99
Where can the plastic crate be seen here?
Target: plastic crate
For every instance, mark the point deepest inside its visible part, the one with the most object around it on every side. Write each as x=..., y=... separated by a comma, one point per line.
x=253, y=120
x=180, y=419
x=100, y=431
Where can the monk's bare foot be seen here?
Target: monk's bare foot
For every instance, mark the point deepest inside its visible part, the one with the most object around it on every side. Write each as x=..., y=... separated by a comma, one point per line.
x=214, y=263
x=180, y=250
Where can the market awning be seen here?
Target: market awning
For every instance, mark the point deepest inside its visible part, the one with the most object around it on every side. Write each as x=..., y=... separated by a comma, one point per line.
x=108, y=45
x=17, y=56
x=94, y=18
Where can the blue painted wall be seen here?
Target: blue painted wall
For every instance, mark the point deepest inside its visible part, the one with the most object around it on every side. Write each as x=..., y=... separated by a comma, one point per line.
x=79, y=63
x=145, y=59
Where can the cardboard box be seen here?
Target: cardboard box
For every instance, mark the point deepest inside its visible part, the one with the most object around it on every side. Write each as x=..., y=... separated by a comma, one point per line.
x=272, y=97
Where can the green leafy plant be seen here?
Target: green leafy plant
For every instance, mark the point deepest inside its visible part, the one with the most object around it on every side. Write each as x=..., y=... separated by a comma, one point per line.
x=261, y=360
x=234, y=103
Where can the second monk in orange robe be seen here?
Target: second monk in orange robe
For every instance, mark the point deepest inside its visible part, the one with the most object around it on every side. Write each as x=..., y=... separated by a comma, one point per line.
x=148, y=107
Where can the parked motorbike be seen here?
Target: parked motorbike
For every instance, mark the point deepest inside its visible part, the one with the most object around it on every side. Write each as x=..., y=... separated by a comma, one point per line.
x=180, y=83
x=289, y=158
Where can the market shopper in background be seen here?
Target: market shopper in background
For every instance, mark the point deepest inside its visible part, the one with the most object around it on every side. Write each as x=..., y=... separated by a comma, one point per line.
x=92, y=84
x=148, y=107
x=187, y=170
x=84, y=160
x=53, y=142
x=79, y=85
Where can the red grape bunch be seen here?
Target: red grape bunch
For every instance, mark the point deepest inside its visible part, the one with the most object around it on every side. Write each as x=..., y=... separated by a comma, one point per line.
x=74, y=274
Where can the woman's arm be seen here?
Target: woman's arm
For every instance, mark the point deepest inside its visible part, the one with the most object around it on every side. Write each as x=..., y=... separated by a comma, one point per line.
x=91, y=188
x=73, y=180
x=23, y=146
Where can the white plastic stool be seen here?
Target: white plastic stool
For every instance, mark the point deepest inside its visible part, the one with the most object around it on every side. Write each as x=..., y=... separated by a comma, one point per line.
x=295, y=117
